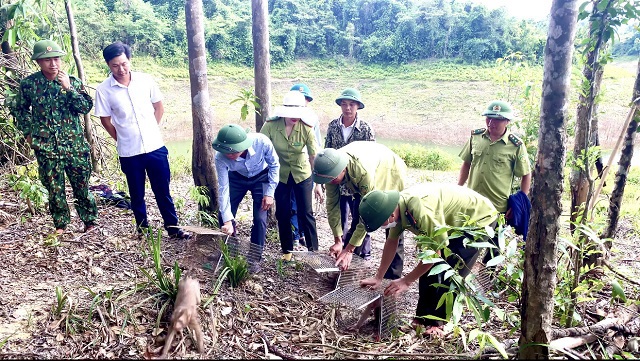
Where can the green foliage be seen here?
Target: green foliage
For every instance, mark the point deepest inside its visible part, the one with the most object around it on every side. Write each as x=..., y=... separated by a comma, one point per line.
x=29, y=188
x=167, y=284
x=416, y=156
x=246, y=98
x=236, y=268
x=61, y=301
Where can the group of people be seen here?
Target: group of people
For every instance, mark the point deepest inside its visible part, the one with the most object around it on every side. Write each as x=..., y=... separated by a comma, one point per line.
x=283, y=164
x=48, y=112
x=365, y=181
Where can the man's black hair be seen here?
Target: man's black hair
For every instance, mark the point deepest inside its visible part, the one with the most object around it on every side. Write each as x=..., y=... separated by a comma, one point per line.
x=116, y=49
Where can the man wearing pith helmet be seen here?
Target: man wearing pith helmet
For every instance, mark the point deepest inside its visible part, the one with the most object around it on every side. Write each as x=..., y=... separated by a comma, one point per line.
x=421, y=209
x=47, y=112
x=246, y=162
x=493, y=157
x=347, y=128
x=359, y=167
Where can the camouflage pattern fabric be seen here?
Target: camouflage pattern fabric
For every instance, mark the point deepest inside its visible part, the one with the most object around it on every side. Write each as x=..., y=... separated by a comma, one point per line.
x=51, y=117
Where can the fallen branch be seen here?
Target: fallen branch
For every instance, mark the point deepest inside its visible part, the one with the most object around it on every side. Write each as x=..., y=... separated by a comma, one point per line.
x=618, y=273
x=274, y=350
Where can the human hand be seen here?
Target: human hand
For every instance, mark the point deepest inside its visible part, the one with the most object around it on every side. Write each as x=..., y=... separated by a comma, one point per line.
x=319, y=193
x=508, y=214
x=64, y=80
x=267, y=202
x=227, y=228
x=344, y=260
x=335, y=250
x=396, y=287
x=372, y=282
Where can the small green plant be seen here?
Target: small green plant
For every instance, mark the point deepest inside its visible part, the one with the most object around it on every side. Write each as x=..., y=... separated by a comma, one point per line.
x=29, y=189
x=246, y=98
x=167, y=285
x=52, y=240
x=280, y=268
x=61, y=301
x=237, y=266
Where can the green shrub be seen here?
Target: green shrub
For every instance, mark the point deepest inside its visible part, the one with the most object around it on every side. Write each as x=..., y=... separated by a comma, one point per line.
x=417, y=156
x=236, y=268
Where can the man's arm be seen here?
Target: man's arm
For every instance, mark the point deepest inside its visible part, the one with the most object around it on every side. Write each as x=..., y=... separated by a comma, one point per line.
x=77, y=97
x=464, y=173
x=106, y=123
x=158, y=111
x=21, y=112
x=525, y=183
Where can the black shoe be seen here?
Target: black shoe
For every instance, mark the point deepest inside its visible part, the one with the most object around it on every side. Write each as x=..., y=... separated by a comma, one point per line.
x=180, y=235
x=89, y=226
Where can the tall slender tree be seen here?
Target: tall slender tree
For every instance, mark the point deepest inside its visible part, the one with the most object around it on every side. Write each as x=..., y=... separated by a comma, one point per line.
x=540, y=258
x=88, y=125
x=626, y=154
x=261, y=61
x=202, y=162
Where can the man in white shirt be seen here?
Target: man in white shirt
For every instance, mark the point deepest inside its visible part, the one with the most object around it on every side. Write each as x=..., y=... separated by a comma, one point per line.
x=130, y=108
x=246, y=163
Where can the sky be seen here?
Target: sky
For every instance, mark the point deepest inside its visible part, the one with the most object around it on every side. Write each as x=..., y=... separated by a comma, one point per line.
x=524, y=9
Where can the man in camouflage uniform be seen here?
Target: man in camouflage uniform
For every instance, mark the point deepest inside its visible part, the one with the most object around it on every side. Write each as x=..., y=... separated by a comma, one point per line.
x=340, y=132
x=47, y=112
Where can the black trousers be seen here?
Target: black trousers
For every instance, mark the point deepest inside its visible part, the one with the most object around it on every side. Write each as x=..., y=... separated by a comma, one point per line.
x=306, y=221
x=430, y=295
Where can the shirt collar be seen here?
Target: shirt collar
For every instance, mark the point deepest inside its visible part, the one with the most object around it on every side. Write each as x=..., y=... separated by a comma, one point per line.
x=355, y=125
x=504, y=138
x=114, y=82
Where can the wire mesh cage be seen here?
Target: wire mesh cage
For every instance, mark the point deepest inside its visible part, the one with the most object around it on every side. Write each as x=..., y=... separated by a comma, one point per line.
x=320, y=262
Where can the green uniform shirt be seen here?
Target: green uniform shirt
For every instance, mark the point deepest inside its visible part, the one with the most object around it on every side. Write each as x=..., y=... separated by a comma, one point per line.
x=371, y=166
x=290, y=149
x=51, y=116
x=425, y=206
x=495, y=164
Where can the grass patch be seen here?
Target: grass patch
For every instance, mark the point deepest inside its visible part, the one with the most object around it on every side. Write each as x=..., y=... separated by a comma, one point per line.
x=416, y=156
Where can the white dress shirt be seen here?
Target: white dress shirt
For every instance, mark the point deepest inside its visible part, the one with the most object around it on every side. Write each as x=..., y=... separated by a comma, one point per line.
x=132, y=113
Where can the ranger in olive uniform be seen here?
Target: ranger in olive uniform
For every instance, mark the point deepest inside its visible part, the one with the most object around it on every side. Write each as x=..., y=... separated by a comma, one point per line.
x=358, y=167
x=421, y=209
x=296, y=148
x=47, y=112
x=493, y=157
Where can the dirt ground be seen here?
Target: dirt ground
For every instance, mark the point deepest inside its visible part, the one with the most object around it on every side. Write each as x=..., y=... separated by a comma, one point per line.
x=111, y=311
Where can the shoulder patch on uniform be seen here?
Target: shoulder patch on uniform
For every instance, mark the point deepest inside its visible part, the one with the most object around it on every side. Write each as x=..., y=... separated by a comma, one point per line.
x=478, y=131
x=515, y=140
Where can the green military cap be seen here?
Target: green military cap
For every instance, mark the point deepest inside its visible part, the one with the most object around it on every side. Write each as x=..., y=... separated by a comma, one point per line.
x=231, y=139
x=46, y=49
x=376, y=207
x=304, y=89
x=499, y=110
x=350, y=94
x=328, y=164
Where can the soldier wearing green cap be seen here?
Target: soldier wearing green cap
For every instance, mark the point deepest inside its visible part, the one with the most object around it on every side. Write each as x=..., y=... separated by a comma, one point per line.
x=359, y=167
x=246, y=162
x=493, y=157
x=341, y=131
x=421, y=209
x=47, y=112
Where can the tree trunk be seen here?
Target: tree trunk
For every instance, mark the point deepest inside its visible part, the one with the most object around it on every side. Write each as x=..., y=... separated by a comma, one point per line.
x=261, y=60
x=202, y=162
x=540, y=258
x=88, y=125
x=624, y=164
